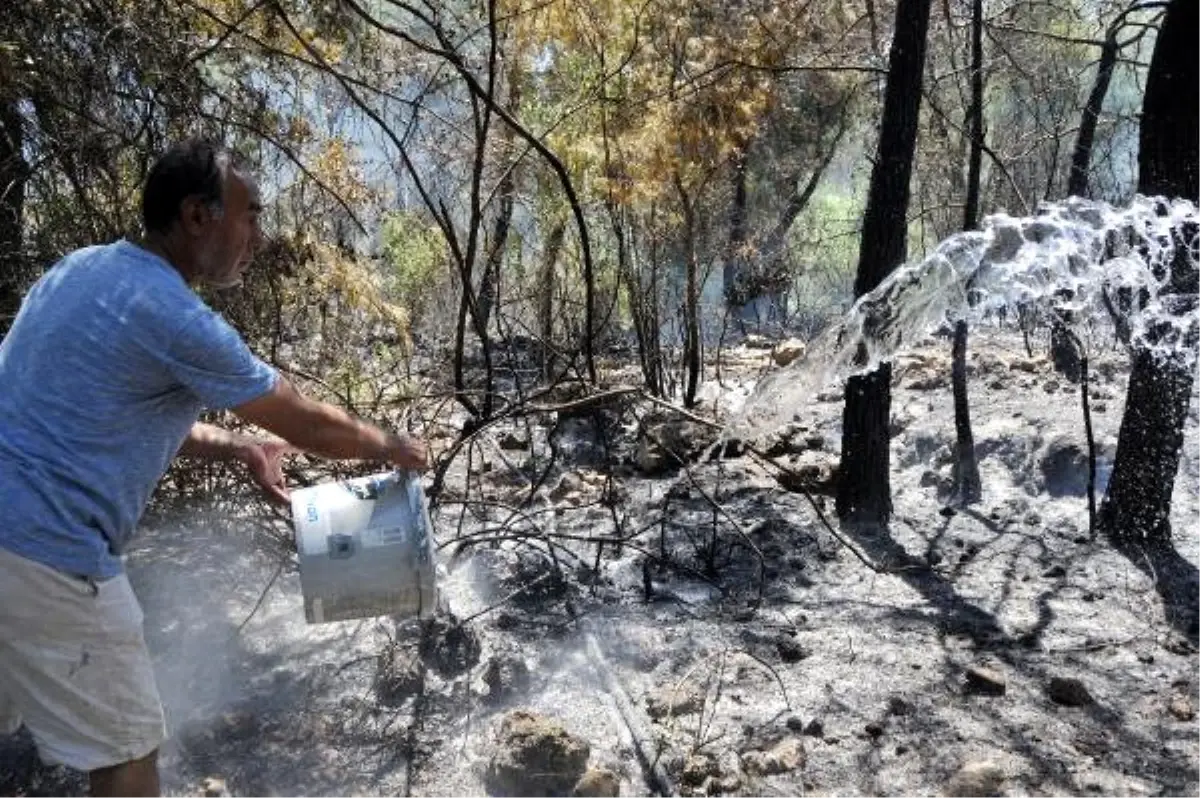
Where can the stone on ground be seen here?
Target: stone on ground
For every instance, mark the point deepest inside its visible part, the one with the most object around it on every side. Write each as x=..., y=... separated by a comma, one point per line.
x=535, y=755
x=598, y=783
x=1068, y=691
x=976, y=780
x=786, y=755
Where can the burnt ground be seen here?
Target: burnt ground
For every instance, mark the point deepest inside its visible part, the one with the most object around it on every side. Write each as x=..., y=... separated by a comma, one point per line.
x=733, y=643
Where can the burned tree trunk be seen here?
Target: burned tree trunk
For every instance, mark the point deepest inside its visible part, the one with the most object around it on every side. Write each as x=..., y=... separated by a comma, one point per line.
x=1137, y=506
x=1081, y=157
x=735, y=257
x=864, y=484
x=692, y=361
x=1065, y=352
x=967, y=485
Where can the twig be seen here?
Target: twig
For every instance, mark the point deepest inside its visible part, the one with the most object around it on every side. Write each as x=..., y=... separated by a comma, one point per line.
x=1103, y=645
x=1087, y=426
x=1091, y=444
x=261, y=597
x=786, y=701
x=506, y=599
x=762, y=561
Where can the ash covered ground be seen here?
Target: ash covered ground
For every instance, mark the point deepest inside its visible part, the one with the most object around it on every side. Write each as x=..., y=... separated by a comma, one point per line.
x=732, y=643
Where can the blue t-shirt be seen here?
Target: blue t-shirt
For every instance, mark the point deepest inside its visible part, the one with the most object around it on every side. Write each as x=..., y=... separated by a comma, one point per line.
x=107, y=366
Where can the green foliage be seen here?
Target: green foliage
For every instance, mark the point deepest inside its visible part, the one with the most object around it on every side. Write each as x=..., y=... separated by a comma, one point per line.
x=415, y=253
x=824, y=242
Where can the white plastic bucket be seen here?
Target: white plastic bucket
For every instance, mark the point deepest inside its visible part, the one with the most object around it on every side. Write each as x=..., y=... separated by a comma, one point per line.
x=366, y=548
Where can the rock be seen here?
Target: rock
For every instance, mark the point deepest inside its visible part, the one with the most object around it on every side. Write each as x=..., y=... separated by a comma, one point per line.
x=598, y=783
x=505, y=675
x=976, y=780
x=874, y=730
x=794, y=723
x=510, y=441
x=787, y=351
x=785, y=756
x=899, y=706
x=1028, y=366
x=1064, y=468
x=756, y=341
x=985, y=681
x=1068, y=691
x=815, y=728
x=726, y=785
x=1181, y=707
x=1054, y=572
x=213, y=787
x=569, y=484
x=790, y=651
x=789, y=440
x=665, y=440
x=535, y=756
x=698, y=769
x=930, y=382
x=671, y=701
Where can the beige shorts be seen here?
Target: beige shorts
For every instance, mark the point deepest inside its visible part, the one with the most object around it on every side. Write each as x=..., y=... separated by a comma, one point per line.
x=74, y=666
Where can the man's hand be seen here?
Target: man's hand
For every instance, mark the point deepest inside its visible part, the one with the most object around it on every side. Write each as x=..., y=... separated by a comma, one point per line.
x=264, y=458
x=408, y=452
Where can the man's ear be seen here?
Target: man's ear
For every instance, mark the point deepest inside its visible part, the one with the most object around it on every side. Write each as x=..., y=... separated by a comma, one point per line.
x=194, y=215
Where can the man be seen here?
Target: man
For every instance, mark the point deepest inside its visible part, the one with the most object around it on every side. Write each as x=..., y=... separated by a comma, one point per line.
x=102, y=378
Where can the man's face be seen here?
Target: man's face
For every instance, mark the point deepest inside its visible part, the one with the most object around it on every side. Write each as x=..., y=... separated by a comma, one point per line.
x=228, y=241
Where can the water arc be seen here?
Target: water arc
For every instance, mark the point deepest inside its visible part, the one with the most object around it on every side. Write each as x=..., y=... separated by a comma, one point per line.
x=1075, y=260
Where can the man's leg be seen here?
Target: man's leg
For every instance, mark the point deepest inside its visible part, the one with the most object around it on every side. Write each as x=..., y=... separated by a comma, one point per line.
x=136, y=778
x=77, y=670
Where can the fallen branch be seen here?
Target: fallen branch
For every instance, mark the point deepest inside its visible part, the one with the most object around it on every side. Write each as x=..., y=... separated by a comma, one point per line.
x=652, y=769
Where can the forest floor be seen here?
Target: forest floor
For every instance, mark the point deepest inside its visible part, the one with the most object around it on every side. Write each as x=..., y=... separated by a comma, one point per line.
x=996, y=649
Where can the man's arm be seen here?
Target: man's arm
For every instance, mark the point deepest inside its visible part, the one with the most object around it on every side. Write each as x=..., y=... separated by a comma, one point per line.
x=328, y=431
x=209, y=442
x=262, y=457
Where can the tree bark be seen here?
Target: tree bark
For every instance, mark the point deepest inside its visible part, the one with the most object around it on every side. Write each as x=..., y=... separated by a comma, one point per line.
x=735, y=257
x=13, y=173
x=1064, y=350
x=975, y=119
x=1137, y=505
x=968, y=487
x=1081, y=157
x=864, y=485
x=550, y=252
x=691, y=301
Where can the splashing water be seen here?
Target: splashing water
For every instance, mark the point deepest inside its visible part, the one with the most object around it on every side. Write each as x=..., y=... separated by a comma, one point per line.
x=1077, y=261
